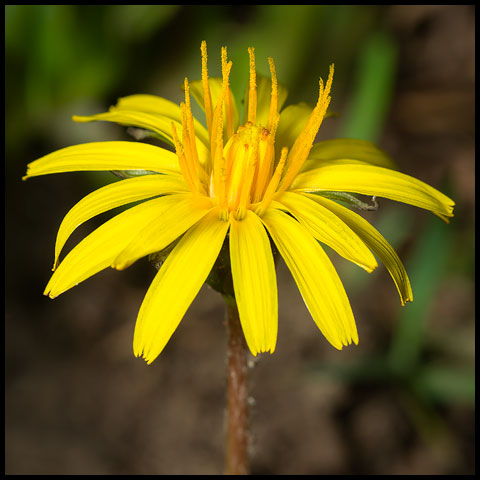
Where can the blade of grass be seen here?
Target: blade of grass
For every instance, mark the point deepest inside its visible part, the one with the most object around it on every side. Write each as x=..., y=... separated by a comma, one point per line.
x=373, y=89
x=446, y=384
x=425, y=269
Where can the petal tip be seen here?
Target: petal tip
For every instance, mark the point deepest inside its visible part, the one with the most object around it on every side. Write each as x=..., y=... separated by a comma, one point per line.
x=370, y=268
x=48, y=293
x=121, y=264
x=80, y=118
x=404, y=301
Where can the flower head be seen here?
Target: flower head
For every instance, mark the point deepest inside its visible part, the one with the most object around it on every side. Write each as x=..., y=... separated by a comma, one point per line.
x=244, y=184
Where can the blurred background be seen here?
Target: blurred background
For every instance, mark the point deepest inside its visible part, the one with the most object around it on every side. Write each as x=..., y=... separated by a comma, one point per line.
x=402, y=402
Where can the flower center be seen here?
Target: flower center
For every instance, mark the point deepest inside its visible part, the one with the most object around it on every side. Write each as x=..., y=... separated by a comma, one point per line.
x=242, y=174
x=248, y=155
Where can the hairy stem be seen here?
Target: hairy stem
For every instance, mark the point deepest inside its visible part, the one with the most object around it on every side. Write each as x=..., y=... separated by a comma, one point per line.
x=236, y=461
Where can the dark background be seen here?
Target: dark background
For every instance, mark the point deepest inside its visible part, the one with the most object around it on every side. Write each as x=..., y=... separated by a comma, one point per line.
x=402, y=402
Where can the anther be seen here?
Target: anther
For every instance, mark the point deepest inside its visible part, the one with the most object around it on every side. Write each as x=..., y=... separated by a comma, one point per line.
x=228, y=97
x=274, y=97
x=219, y=107
x=182, y=160
x=252, y=93
x=302, y=146
x=207, y=98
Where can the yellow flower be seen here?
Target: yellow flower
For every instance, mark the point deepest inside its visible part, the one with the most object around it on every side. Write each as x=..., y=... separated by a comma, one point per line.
x=262, y=180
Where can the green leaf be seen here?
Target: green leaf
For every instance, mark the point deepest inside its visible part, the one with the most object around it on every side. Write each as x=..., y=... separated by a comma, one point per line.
x=446, y=384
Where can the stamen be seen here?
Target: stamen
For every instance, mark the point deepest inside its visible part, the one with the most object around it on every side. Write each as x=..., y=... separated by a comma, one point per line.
x=228, y=98
x=252, y=93
x=273, y=184
x=191, y=127
x=328, y=86
x=207, y=97
x=302, y=146
x=198, y=170
x=274, y=98
x=219, y=108
x=219, y=173
x=185, y=136
x=182, y=160
x=189, y=149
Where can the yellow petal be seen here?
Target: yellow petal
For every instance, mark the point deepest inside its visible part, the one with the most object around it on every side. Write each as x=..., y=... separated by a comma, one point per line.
x=176, y=285
x=114, y=195
x=186, y=211
x=375, y=241
x=347, y=150
x=160, y=125
x=292, y=120
x=254, y=282
x=315, y=276
x=158, y=106
x=150, y=104
x=98, y=250
x=326, y=227
x=371, y=180
x=105, y=156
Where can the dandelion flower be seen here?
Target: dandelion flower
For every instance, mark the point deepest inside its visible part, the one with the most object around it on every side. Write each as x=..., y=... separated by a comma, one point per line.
x=245, y=184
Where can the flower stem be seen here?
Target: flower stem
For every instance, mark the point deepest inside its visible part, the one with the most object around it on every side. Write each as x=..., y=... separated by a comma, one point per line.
x=236, y=461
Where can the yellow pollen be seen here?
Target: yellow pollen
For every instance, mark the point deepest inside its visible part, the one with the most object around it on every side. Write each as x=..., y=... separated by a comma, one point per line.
x=238, y=168
x=190, y=145
x=218, y=186
x=303, y=144
x=228, y=97
x=219, y=109
x=190, y=125
x=207, y=98
x=252, y=93
x=274, y=98
x=241, y=174
x=183, y=162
